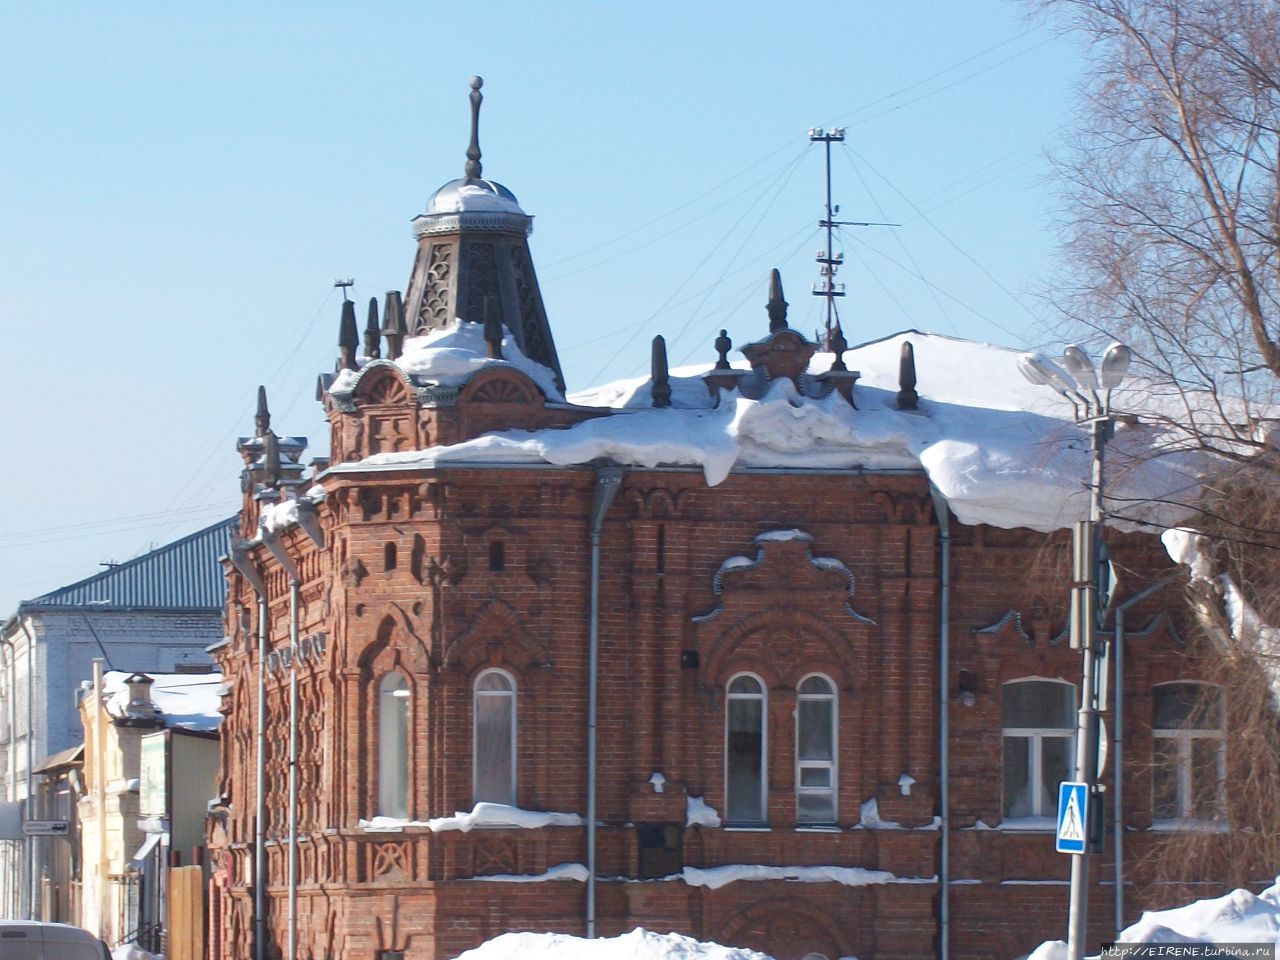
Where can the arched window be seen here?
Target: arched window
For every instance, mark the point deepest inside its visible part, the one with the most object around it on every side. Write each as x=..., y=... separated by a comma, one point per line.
x=393, y=746
x=494, y=753
x=1188, y=746
x=744, y=750
x=816, y=750
x=1039, y=745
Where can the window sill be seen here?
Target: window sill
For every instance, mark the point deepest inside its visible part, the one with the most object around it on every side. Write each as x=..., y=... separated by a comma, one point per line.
x=748, y=828
x=818, y=828
x=1189, y=826
x=1028, y=825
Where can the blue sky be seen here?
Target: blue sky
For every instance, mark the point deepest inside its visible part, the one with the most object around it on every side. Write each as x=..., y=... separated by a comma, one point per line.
x=183, y=183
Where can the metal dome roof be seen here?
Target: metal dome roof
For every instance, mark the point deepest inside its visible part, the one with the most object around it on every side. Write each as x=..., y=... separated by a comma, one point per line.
x=473, y=195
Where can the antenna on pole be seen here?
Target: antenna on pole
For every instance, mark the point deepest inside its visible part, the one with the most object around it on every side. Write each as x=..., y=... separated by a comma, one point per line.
x=830, y=261
x=344, y=285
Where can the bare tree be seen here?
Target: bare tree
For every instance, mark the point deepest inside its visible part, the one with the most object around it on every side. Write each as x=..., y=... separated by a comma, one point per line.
x=1171, y=190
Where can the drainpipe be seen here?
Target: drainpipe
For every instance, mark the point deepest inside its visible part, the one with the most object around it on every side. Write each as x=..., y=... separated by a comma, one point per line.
x=944, y=723
x=309, y=524
x=33, y=892
x=244, y=564
x=608, y=479
x=1117, y=820
x=11, y=657
x=100, y=792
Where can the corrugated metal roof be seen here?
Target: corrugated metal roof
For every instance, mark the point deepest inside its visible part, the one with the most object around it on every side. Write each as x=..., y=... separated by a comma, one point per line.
x=182, y=575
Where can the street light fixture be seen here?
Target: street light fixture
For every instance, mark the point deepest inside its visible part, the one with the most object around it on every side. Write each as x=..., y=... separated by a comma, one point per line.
x=1079, y=381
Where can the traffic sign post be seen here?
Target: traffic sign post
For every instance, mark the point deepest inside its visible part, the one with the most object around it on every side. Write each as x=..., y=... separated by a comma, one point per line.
x=1073, y=817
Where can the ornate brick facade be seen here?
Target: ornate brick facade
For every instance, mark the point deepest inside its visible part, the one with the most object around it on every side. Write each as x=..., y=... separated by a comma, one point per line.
x=445, y=572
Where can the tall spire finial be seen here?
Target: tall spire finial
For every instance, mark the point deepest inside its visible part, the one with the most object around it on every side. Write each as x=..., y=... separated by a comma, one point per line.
x=777, y=306
x=473, y=151
x=262, y=419
x=348, y=337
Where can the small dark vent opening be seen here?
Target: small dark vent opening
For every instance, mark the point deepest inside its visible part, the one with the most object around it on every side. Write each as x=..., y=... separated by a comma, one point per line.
x=662, y=548
x=497, y=555
x=389, y=557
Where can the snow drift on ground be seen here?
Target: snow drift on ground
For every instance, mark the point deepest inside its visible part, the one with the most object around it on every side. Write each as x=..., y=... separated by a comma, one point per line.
x=131, y=951
x=639, y=944
x=187, y=700
x=1000, y=450
x=1238, y=917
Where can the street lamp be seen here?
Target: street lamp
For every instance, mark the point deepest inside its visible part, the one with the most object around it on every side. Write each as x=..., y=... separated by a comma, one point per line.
x=1089, y=391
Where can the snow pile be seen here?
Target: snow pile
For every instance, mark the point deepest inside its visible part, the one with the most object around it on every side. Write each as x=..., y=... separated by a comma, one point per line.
x=131, y=951
x=639, y=944
x=1000, y=450
x=481, y=815
x=713, y=878
x=561, y=871
x=276, y=517
x=450, y=356
x=186, y=700
x=869, y=817
x=1238, y=917
x=698, y=814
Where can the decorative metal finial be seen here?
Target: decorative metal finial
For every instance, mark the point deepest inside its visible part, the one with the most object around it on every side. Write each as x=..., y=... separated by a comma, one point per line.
x=838, y=346
x=262, y=418
x=393, y=323
x=908, y=399
x=473, y=151
x=777, y=306
x=271, y=459
x=348, y=337
x=493, y=326
x=661, y=389
x=723, y=346
x=372, y=332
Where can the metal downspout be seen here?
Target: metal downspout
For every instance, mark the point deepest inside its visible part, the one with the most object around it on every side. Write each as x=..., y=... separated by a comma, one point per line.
x=33, y=880
x=240, y=560
x=944, y=723
x=608, y=479
x=293, y=767
x=11, y=656
x=1117, y=778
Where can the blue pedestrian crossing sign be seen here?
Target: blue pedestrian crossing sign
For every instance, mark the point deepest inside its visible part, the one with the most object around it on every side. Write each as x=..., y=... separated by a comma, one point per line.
x=1073, y=815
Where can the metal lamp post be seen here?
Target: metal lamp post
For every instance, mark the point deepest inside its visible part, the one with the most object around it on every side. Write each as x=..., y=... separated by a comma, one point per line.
x=1089, y=391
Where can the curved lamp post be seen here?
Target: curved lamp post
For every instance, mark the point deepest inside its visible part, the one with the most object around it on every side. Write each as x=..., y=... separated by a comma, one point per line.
x=1089, y=390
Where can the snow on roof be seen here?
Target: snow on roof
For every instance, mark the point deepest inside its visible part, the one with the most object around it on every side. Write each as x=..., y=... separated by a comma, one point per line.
x=1002, y=451
x=188, y=701
x=450, y=356
x=639, y=944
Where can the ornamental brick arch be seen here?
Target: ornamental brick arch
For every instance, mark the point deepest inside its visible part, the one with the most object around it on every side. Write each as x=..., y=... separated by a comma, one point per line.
x=495, y=638
x=786, y=643
x=499, y=398
x=785, y=927
x=396, y=644
x=384, y=384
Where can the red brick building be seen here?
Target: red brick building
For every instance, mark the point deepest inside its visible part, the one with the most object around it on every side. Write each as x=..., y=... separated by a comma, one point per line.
x=795, y=607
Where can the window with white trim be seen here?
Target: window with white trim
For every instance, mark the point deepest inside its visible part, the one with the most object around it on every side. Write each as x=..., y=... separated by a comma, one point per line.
x=393, y=746
x=745, y=758
x=816, y=750
x=1039, y=725
x=1189, y=756
x=494, y=748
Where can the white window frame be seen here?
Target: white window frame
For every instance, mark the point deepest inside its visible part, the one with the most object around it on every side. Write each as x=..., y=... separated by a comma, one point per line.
x=1037, y=736
x=833, y=697
x=402, y=692
x=476, y=694
x=1183, y=738
x=763, y=697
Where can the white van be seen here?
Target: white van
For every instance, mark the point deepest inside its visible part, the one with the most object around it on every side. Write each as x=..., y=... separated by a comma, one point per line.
x=29, y=940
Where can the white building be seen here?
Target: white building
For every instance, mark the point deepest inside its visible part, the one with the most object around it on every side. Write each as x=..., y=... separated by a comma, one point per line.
x=155, y=613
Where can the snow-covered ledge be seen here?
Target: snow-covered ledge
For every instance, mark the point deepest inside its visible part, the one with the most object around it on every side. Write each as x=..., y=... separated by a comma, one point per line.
x=481, y=815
